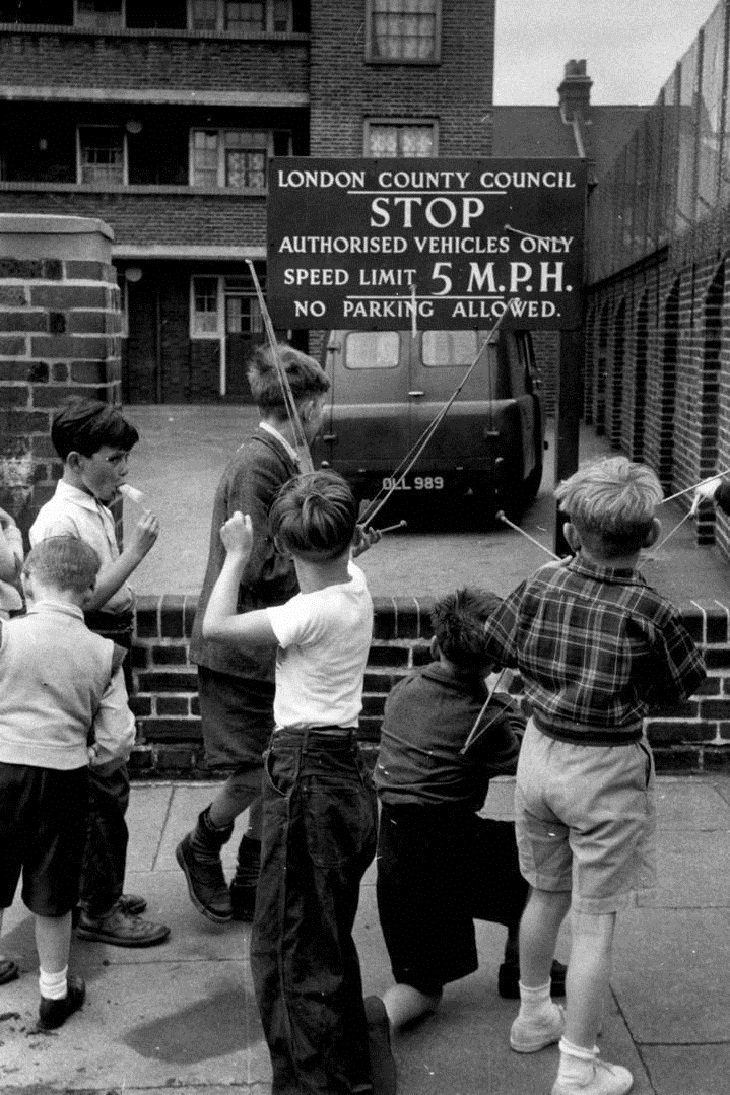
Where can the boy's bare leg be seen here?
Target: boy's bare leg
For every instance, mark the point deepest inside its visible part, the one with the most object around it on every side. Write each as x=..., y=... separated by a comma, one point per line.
x=406, y=1004
x=539, y=927
x=53, y=940
x=540, y=1022
x=241, y=791
x=588, y=976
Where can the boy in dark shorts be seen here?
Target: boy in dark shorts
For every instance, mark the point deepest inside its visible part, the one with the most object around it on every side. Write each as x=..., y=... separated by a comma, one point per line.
x=236, y=686
x=58, y=677
x=597, y=649
x=94, y=441
x=440, y=865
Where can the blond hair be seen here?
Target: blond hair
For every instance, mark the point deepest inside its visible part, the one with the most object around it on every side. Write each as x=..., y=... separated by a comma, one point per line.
x=63, y=562
x=612, y=504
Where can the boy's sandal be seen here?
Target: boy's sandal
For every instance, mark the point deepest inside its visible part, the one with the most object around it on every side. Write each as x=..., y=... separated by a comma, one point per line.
x=8, y=970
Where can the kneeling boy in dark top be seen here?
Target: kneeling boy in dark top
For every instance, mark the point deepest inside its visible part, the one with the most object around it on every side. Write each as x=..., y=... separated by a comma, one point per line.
x=440, y=865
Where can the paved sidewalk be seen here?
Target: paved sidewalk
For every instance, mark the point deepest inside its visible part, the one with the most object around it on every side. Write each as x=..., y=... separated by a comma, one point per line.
x=182, y=1017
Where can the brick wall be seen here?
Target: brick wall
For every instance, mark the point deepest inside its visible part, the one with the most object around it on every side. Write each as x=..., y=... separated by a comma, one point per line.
x=693, y=736
x=457, y=92
x=658, y=372
x=144, y=59
x=59, y=336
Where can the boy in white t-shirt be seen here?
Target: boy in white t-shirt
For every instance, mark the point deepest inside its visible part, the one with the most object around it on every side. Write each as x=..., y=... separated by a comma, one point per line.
x=319, y=805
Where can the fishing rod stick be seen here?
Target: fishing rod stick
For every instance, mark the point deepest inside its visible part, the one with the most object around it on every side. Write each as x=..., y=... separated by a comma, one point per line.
x=501, y=516
x=679, y=493
x=412, y=455
x=306, y=462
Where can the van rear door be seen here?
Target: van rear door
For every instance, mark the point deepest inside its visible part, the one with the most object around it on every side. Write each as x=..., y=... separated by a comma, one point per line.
x=439, y=363
x=367, y=428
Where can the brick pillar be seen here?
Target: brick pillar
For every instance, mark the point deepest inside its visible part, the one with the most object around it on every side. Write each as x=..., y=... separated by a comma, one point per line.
x=59, y=336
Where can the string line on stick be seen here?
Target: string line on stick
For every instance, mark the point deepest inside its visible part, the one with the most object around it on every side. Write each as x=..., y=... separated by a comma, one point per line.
x=669, y=536
x=412, y=455
x=473, y=735
x=501, y=516
x=686, y=490
x=300, y=439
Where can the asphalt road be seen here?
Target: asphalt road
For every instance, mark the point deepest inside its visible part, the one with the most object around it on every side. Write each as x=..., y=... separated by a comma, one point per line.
x=182, y=452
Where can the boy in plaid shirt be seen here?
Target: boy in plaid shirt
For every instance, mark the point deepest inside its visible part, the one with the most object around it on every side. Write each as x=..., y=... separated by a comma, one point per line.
x=597, y=649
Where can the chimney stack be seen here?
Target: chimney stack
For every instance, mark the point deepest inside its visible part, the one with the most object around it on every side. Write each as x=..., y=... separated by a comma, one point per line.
x=574, y=92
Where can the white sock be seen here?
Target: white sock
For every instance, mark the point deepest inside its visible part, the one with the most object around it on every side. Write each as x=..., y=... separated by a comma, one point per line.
x=576, y=1062
x=54, y=986
x=535, y=1002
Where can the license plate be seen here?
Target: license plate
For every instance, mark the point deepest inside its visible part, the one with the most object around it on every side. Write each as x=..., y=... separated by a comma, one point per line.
x=414, y=482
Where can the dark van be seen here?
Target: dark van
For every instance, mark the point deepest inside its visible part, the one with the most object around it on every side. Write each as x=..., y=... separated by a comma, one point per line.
x=387, y=386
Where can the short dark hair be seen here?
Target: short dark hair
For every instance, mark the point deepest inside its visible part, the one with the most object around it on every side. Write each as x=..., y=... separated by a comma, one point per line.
x=306, y=378
x=87, y=425
x=458, y=624
x=314, y=515
x=64, y=562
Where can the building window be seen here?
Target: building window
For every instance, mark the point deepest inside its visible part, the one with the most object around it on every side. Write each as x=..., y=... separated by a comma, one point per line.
x=205, y=308
x=102, y=155
x=236, y=159
x=99, y=14
x=401, y=138
x=243, y=311
x=404, y=31
x=225, y=306
x=242, y=18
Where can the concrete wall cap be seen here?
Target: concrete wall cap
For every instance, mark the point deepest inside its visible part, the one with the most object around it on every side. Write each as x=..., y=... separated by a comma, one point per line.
x=49, y=224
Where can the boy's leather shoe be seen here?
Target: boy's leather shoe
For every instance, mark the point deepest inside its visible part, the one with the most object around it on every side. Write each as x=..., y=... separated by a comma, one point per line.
x=132, y=903
x=118, y=929
x=52, y=1014
x=199, y=856
x=509, y=980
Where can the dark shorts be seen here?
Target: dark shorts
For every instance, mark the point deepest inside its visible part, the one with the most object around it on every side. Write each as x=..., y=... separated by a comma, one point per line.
x=237, y=717
x=439, y=869
x=42, y=834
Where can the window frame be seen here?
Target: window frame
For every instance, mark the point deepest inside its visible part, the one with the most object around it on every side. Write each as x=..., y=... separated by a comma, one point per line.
x=228, y=286
x=221, y=28
x=80, y=181
x=399, y=123
x=219, y=332
x=221, y=150
x=372, y=57
x=99, y=26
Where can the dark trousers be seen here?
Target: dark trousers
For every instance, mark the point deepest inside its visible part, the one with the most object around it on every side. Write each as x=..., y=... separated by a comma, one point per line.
x=439, y=869
x=319, y=837
x=105, y=854
x=107, y=836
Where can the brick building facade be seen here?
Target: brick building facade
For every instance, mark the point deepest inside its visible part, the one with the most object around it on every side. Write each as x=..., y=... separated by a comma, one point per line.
x=160, y=118
x=657, y=360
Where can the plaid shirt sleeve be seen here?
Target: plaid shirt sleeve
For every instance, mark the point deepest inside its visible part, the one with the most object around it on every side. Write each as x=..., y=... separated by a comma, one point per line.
x=680, y=668
x=501, y=629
